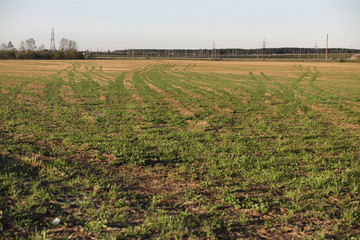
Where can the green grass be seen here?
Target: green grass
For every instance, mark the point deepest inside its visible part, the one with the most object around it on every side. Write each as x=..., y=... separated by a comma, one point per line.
x=272, y=151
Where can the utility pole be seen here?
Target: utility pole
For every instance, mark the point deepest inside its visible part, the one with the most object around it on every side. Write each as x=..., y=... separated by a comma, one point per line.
x=52, y=44
x=327, y=45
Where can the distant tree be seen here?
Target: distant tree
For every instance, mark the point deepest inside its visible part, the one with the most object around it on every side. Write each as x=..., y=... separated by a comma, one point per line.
x=30, y=44
x=3, y=46
x=44, y=54
x=28, y=54
x=59, y=55
x=41, y=47
x=10, y=46
x=22, y=46
x=64, y=44
x=73, y=45
x=10, y=54
x=89, y=55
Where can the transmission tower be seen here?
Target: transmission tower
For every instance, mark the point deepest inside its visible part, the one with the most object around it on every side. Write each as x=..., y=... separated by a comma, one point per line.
x=327, y=44
x=52, y=44
x=264, y=46
x=213, y=49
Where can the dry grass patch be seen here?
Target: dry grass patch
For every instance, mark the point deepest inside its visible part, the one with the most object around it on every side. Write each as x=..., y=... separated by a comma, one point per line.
x=4, y=91
x=197, y=125
x=102, y=97
x=128, y=79
x=155, y=88
x=336, y=118
x=32, y=67
x=137, y=97
x=27, y=98
x=67, y=94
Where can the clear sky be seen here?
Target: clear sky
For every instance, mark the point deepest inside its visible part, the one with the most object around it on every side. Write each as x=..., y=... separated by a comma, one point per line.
x=111, y=24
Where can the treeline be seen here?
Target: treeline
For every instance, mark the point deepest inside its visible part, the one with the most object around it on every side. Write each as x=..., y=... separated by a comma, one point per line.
x=227, y=53
x=28, y=50
x=41, y=54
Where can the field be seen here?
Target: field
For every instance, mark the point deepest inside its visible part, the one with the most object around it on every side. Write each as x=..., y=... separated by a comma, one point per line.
x=179, y=149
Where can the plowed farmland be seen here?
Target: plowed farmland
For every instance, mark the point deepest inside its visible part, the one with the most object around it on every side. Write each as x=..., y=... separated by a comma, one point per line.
x=179, y=149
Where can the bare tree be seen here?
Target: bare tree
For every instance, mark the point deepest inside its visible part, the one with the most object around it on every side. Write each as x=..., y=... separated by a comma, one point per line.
x=10, y=46
x=73, y=45
x=41, y=47
x=22, y=46
x=30, y=44
x=3, y=46
x=66, y=44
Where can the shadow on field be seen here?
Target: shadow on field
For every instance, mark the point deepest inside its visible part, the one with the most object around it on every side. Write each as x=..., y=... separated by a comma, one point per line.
x=10, y=165
x=13, y=174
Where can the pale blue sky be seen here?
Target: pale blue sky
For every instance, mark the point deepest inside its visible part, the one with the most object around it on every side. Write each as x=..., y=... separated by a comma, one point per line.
x=111, y=24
